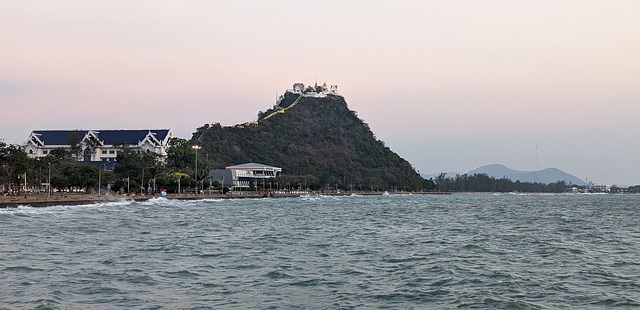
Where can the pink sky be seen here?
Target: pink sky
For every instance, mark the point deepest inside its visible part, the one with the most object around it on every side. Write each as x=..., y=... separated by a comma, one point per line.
x=449, y=85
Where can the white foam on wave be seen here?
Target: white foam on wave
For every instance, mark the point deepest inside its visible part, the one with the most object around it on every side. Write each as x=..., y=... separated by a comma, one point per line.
x=332, y=197
x=113, y=203
x=59, y=209
x=320, y=197
x=309, y=197
x=154, y=201
x=109, y=206
x=164, y=202
x=519, y=194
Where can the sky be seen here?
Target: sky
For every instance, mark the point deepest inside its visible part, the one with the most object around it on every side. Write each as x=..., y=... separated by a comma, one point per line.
x=448, y=85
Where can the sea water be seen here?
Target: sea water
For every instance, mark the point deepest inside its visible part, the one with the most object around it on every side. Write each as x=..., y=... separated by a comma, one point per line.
x=488, y=251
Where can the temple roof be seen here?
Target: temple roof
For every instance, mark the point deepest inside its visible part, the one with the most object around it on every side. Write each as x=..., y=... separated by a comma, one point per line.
x=108, y=137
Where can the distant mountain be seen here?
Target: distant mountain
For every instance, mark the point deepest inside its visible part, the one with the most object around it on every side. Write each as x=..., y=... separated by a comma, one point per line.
x=546, y=176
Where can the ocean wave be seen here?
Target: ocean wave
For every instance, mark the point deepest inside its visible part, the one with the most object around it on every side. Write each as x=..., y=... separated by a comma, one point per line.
x=26, y=210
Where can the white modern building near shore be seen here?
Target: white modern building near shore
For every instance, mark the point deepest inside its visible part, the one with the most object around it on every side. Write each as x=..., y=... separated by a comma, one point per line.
x=241, y=176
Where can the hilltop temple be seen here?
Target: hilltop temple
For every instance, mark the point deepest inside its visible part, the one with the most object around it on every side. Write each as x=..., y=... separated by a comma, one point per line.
x=314, y=91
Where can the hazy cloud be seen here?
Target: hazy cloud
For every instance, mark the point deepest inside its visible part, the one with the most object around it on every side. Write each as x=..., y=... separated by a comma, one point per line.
x=9, y=88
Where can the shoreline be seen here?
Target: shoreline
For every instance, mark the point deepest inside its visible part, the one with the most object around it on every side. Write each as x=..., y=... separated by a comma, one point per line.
x=43, y=200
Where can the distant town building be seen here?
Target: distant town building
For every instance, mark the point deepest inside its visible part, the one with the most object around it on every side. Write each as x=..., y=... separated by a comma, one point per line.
x=591, y=187
x=97, y=145
x=241, y=176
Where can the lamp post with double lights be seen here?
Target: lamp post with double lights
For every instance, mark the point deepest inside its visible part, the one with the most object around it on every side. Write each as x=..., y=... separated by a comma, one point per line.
x=196, y=147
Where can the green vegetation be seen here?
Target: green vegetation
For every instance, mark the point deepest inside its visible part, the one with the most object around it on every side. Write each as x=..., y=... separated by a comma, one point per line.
x=13, y=162
x=318, y=142
x=141, y=171
x=484, y=183
x=135, y=172
x=176, y=172
x=64, y=171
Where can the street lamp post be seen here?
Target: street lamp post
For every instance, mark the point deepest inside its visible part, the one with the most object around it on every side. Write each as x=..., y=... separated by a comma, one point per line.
x=142, y=181
x=24, y=186
x=49, y=181
x=127, y=178
x=196, y=147
x=99, y=178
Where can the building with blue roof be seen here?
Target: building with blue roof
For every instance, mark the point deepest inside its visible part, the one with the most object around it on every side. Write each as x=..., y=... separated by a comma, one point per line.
x=98, y=145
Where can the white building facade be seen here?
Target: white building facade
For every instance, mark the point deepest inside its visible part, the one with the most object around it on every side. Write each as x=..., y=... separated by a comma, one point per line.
x=98, y=145
x=242, y=176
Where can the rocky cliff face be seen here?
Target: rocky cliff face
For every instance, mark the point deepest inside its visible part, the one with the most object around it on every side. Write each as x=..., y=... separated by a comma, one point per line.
x=318, y=139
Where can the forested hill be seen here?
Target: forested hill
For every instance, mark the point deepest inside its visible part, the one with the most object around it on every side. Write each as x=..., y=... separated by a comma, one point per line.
x=318, y=139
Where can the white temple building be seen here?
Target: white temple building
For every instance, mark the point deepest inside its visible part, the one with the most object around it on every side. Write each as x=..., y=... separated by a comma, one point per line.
x=314, y=91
